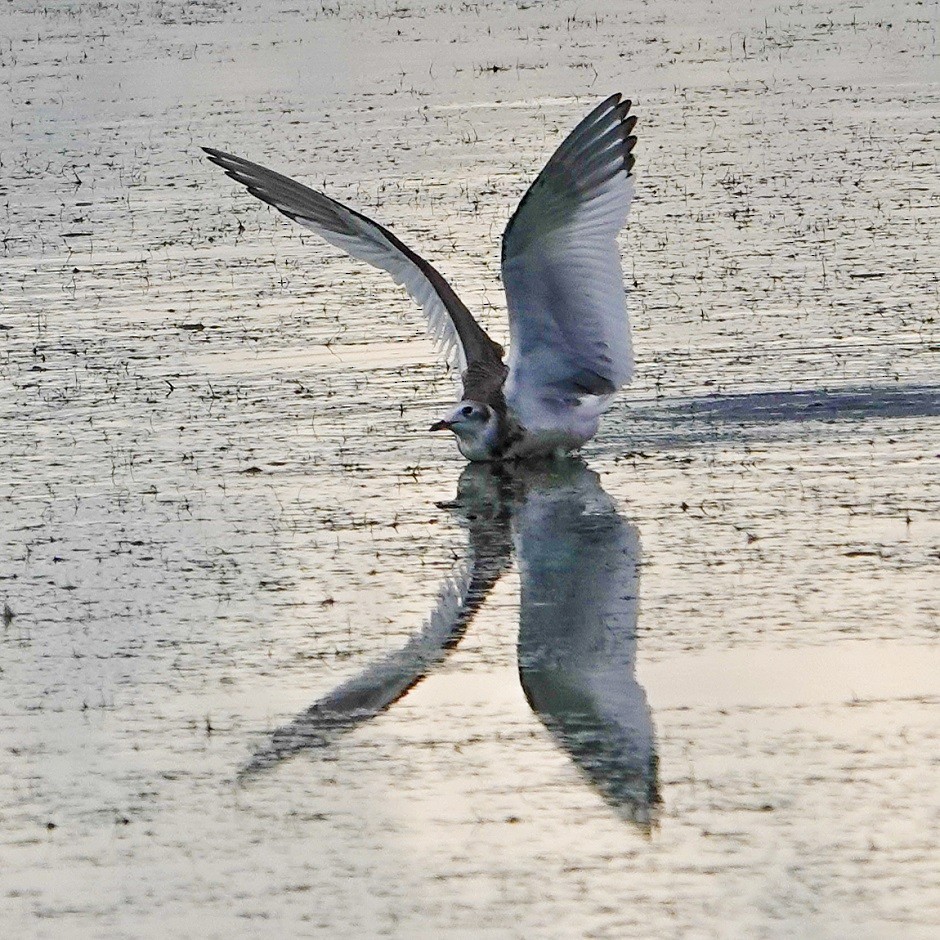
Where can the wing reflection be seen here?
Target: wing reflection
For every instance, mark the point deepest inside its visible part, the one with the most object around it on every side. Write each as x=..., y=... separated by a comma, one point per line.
x=578, y=562
x=577, y=628
x=483, y=504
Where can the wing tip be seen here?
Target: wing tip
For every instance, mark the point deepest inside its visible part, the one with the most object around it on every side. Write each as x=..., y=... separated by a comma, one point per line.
x=216, y=156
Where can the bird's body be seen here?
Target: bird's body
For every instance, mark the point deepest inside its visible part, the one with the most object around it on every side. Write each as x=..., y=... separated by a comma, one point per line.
x=569, y=331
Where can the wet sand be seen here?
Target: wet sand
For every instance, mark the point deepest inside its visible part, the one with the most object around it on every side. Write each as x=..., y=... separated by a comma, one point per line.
x=220, y=502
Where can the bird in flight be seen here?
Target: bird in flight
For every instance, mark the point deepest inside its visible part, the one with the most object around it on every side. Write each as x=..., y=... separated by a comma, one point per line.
x=569, y=331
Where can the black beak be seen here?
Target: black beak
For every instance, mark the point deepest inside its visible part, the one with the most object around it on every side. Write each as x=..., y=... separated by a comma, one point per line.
x=440, y=426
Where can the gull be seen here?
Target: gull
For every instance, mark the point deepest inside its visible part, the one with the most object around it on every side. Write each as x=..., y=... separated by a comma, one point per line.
x=568, y=326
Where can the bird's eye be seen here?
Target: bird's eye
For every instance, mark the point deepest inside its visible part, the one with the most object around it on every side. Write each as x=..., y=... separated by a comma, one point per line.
x=467, y=410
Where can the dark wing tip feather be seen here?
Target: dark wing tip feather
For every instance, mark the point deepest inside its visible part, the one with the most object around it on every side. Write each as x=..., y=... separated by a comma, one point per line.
x=596, y=151
x=219, y=157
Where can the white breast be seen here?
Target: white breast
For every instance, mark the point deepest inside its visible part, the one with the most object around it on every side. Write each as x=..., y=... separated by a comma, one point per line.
x=552, y=424
x=477, y=450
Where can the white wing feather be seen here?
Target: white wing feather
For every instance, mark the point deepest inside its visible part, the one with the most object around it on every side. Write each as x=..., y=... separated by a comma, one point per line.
x=358, y=236
x=569, y=330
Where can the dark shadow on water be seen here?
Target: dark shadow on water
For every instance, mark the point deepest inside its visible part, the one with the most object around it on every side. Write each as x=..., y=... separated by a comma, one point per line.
x=756, y=416
x=578, y=562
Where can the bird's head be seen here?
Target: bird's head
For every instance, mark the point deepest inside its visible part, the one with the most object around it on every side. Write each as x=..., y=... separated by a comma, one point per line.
x=476, y=426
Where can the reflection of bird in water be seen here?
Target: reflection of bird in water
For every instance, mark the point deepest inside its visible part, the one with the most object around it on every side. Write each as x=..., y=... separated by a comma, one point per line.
x=578, y=563
x=483, y=504
x=568, y=323
x=577, y=628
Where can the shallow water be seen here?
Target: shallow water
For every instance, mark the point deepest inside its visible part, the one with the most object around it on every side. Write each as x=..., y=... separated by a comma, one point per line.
x=221, y=506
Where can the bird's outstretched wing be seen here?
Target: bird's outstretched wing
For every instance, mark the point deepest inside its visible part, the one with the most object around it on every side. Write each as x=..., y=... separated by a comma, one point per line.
x=568, y=322
x=450, y=323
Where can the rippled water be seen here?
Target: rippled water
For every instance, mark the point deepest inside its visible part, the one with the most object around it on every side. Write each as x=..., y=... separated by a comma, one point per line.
x=687, y=687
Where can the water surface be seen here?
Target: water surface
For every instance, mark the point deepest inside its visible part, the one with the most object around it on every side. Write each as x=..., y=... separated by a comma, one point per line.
x=697, y=694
